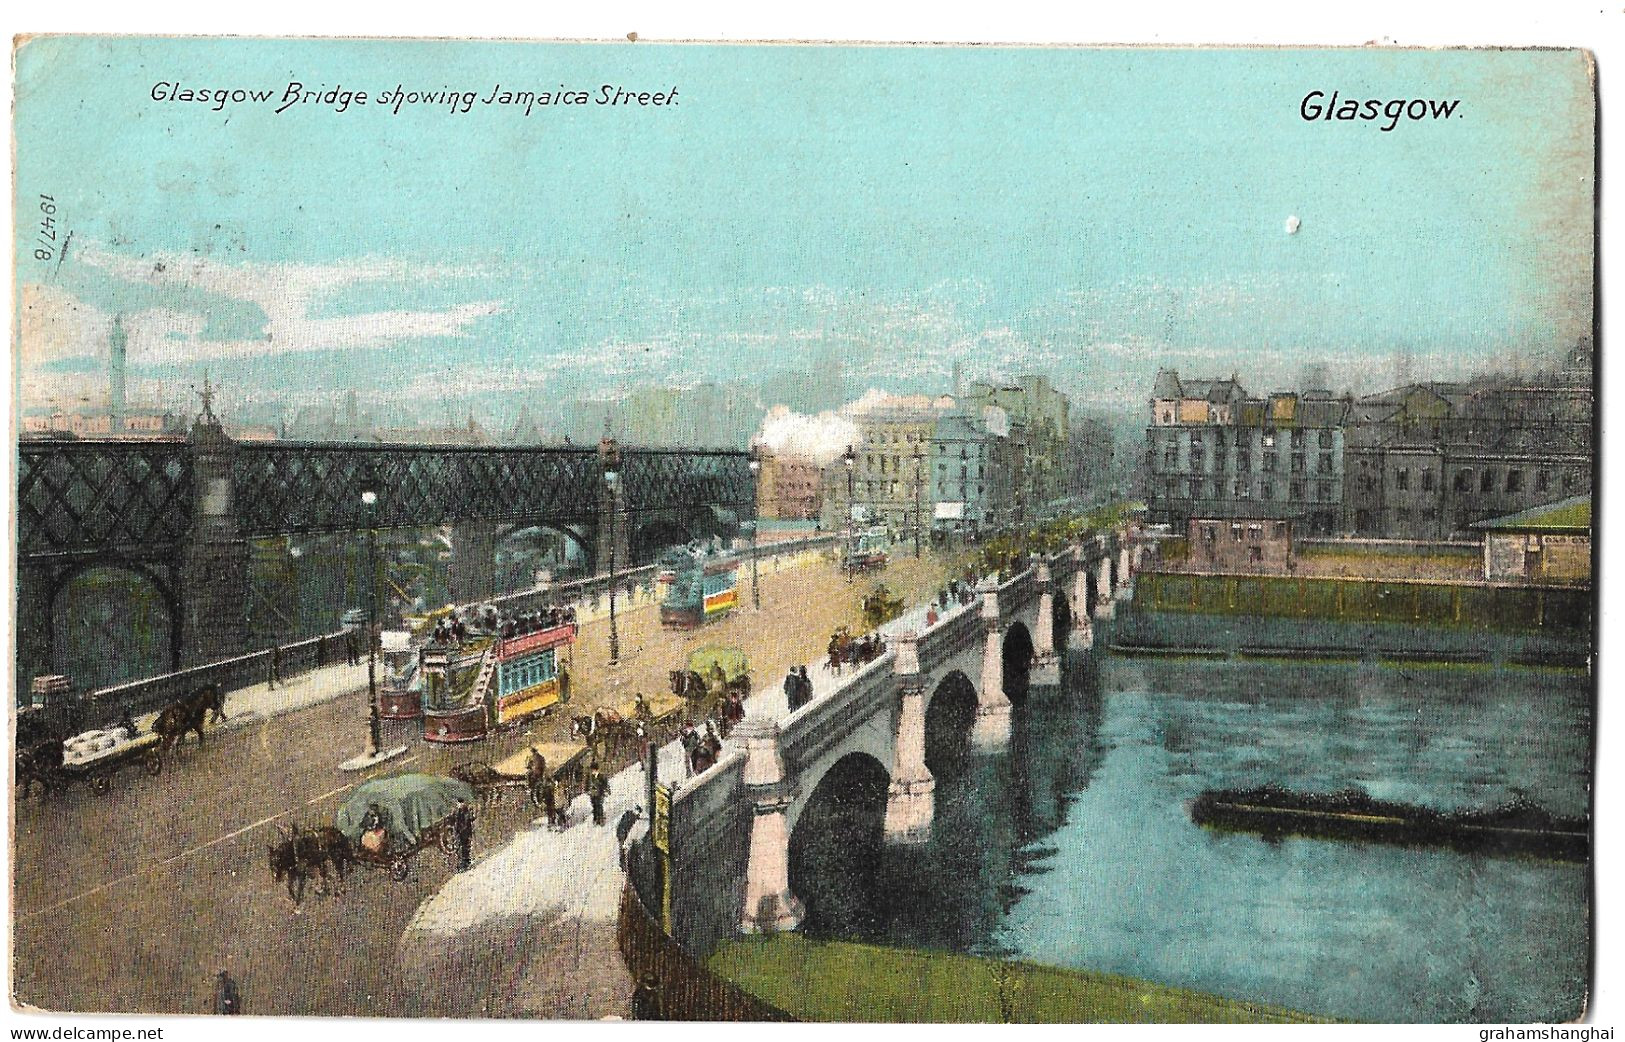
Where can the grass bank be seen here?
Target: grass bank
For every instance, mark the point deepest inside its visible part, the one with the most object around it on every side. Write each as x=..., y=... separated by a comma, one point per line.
x=841, y=981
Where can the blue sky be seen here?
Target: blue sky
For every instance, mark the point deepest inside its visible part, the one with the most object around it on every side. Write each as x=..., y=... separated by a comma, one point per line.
x=1087, y=213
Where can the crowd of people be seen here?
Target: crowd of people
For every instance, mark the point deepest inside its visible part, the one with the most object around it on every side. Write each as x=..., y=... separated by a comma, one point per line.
x=847, y=650
x=456, y=629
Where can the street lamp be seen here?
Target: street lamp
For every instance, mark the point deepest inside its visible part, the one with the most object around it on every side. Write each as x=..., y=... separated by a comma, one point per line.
x=369, y=511
x=755, y=521
x=850, y=458
x=612, y=472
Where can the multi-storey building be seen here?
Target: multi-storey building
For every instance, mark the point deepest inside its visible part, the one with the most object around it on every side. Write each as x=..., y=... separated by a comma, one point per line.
x=1040, y=412
x=788, y=488
x=891, y=479
x=1210, y=447
x=1430, y=460
x=974, y=460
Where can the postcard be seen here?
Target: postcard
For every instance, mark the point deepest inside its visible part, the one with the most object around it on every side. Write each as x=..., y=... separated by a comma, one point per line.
x=795, y=532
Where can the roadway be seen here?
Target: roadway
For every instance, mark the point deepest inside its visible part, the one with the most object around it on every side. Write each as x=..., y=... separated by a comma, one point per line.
x=129, y=902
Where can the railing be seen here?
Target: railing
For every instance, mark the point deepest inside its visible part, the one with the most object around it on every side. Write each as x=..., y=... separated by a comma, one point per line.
x=150, y=693
x=685, y=989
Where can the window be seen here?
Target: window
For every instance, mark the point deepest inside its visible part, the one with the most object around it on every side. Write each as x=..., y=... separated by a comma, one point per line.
x=1267, y=490
x=1295, y=490
x=1514, y=480
x=1323, y=490
x=1402, y=478
x=1542, y=480
x=1486, y=481
x=1297, y=463
x=1244, y=461
x=1209, y=533
x=1269, y=439
x=1269, y=462
x=1280, y=529
x=1235, y=532
x=1325, y=461
x=1195, y=488
x=1255, y=553
x=1325, y=438
x=1241, y=490
x=1570, y=479
x=1427, y=481
x=1362, y=520
x=1463, y=482
x=1255, y=533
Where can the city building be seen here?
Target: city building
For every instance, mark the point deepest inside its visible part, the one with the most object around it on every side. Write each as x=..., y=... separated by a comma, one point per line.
x=1430, y=460
x=1210, y=446
x=1242, y=537
x=90, y=420
x=890, y=479
x=788, y=488
x=1545, y=544
x=1040, y=414
x=973, y=469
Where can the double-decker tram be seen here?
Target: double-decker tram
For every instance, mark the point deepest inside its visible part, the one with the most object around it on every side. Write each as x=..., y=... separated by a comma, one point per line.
x=494, y=672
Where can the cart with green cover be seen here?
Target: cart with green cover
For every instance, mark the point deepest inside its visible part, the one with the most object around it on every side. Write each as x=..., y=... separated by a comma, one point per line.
x=389, y=820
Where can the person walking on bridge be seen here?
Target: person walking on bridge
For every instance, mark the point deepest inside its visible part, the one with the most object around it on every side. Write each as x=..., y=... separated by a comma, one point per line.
x=597, y=792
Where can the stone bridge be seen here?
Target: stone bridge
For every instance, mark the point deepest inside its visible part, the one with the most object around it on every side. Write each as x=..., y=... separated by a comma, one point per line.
x=731, y=826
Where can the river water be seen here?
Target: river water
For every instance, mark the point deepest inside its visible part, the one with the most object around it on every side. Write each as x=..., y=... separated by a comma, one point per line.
x=1075, y=847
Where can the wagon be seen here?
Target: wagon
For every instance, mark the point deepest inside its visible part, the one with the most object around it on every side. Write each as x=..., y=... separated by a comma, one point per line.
x=415, y=812
x=564, y=760
x=48, y=764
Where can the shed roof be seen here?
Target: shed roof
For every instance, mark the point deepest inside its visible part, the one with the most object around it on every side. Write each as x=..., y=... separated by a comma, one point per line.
x=1566, y=515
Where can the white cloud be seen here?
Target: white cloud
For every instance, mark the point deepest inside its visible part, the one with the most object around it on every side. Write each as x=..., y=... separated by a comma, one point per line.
x=287, y=294
x=819, y=438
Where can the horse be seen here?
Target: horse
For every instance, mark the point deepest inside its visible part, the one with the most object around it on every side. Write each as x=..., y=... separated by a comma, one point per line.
x=302, y=853
x=190, y=714
x=40, y=762
x=688, y=685
x=604, y=725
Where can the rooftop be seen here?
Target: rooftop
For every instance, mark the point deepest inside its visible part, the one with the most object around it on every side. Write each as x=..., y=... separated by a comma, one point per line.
x=1566, y=515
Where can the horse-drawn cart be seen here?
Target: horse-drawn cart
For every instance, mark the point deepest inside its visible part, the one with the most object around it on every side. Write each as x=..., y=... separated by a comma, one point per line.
x=388, y=821
x=563, y=761
x=54, y=767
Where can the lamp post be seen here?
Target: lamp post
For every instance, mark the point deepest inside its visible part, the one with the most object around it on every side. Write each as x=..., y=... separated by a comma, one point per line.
x=369, y=510
x=919, y=460
x=850, y=458
x=612, y=472
x=755, y=521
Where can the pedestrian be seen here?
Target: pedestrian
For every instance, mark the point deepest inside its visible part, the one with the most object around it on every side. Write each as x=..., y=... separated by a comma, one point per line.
x=462, y=825
x=535, y=775
x=564, y=682
x=623, y=829
x=806, y=689
x=597, y=791
x=792, y=688
x=228, y=1001
x=646, y=999
x=352, y=653
x=550, y=803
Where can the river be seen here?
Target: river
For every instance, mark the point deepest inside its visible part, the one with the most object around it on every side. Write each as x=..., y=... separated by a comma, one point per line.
x=1075, y=847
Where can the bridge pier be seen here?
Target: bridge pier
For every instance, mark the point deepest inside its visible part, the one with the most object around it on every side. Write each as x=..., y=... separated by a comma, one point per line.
x=769, y=906
x=1103, y=589
x=214, y=561
x=911, y=801
x=1083, y=633
x=991, y=730
x=1046, y=665
x=1125, y=574
x=473, y=560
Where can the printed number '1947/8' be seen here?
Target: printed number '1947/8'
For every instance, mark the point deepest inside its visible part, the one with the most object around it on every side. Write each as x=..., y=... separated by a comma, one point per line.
x=46, y=245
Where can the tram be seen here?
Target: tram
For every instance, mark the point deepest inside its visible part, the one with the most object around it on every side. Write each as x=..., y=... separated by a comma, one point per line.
x=493, y=680
x=703, y=589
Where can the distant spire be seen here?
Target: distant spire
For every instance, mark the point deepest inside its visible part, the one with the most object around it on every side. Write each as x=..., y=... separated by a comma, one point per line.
x=207, y=395
x=117, y=341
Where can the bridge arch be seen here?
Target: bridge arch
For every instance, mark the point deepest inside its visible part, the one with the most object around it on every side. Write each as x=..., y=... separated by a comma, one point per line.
x=1018, y=659
x=836, y=847
x=105, y=629
x=950, y=715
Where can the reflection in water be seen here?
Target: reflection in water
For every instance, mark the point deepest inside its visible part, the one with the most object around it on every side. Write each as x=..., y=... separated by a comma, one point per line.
x=1075, y=847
